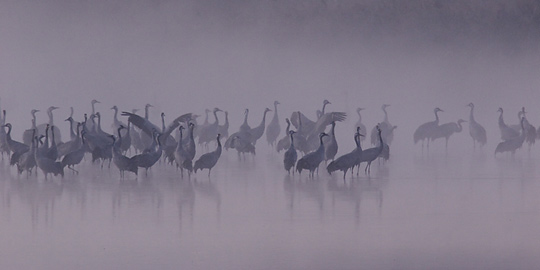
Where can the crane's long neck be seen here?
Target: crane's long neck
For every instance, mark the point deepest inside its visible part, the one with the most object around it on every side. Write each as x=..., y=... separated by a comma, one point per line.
x=321, y=145
x=471, y=115
x=51, y=120
x=288, y=127
x=71, y=132
x=191, y=128
x=332, y=131
x=460, y=127
x=299, y=122
x=216, y=120
x=71, y=112
x=163, y=123
x=179, y=140
x=437, y=117
x=226, y=119
x=501, y=119
x=245, y=118
x=385, y=115
x=292, y=141
x=146, y=112
x=119, y=136
x=46, y=144
x=206, y=117
x=9, y=133
x=53, y=142
x=115, y=115
x=93, y=108
x=99, y=123
x=33, y=119
x=264, y=118
x=359, y=116
x=218, y=149
x=381, y=144
x=323, y=108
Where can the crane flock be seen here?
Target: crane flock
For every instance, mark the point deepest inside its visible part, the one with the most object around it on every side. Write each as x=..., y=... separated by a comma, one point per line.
x=141, y=144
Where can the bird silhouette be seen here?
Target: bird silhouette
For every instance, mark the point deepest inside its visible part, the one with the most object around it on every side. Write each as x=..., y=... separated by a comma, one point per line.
x=312, y=160
x=290, y=157
x=273, y=129
x=425, y=131
x=209, y=160
x=477, y=131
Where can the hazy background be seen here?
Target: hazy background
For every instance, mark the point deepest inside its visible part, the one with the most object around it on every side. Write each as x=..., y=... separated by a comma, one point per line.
x=189, y=55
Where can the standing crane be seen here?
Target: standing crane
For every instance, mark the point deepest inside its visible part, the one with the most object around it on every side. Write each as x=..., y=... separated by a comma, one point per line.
x=289, y=159
x=477, y=131
x=312, y=160
x=273, y=129
x=426, y=130
x=209, y=160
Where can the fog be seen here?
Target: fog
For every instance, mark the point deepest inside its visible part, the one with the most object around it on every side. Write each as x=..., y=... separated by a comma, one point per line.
x=463, y=208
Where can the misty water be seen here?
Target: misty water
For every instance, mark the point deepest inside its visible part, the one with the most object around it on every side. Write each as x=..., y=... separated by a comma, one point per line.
x=460, y=208
x=412, y=212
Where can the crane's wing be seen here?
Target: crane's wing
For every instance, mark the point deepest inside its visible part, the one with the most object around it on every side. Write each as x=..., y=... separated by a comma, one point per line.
x=141, y=123
x=307, y=124
x=327, y=119
x=185, y=118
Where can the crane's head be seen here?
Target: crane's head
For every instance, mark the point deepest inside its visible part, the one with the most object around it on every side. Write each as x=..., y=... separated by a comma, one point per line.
x=181, y=128
x=148, y=105
x=438, y=110
x=276, y=103
x=322, y=135
x=114, y=107
x=246, y=111
x=500, y=110
x=358, y=110
x=471, y=105
x=291, y=132
x=94, y=101
x=98, y=115
x=267, y=110
x=384, y=106
x=287, y=121
x=32, y=112
x=326, y=102
x=216, y=109
x=52, y=108
x=69, y=119
x=162, y=114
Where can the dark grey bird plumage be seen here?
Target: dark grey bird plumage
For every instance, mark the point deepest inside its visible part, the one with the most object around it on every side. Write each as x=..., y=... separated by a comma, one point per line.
x=209, y=160
x=312, y=160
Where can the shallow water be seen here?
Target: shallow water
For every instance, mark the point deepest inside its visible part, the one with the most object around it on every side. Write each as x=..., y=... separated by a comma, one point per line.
x=422, y=212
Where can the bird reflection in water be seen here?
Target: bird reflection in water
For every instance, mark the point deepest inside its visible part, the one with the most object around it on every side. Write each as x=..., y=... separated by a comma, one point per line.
x=354, y=192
